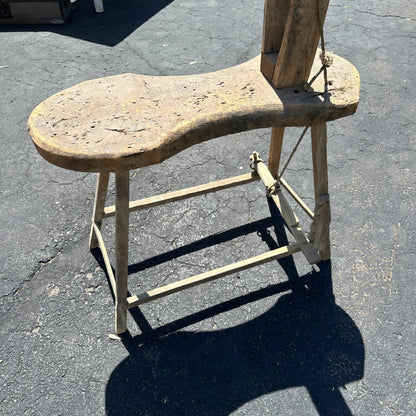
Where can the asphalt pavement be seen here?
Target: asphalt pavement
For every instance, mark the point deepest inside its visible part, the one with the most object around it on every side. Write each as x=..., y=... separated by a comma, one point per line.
x=284, y=338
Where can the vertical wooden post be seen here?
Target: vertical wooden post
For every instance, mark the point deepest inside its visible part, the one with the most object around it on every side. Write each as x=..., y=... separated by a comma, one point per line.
x=274, y=23
x=291, y=35
x=99, y=204
x=299, y=43
x=276, y=142
x=122, y=248
x=320, y=225
x=275, y=16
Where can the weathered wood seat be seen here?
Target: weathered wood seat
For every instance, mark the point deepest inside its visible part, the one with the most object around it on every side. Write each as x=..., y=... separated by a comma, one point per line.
x=129, y=121
x=122, y=122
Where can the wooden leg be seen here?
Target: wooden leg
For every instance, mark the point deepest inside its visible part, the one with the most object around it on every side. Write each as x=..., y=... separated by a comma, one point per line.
x=320, y=226
x=276, y=142
x=99, y=204
x=122, y=248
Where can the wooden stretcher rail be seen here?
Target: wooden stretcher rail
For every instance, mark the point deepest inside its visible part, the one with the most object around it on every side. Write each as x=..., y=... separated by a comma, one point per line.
x=185, y=193
x=105, y=257
x=297, y=198
x=153, y=294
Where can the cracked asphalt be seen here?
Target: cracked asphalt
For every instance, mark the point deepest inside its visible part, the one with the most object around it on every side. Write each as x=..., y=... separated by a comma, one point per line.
x=284, y=338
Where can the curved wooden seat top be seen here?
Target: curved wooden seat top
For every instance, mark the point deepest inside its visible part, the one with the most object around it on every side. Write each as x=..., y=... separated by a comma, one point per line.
x=128, y=121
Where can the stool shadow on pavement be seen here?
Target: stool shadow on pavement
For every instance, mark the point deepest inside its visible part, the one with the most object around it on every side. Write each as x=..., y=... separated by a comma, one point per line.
x=305, y=339
x=119, y=20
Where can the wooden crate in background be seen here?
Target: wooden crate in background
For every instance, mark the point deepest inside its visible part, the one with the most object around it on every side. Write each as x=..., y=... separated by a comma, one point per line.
x=34, y=11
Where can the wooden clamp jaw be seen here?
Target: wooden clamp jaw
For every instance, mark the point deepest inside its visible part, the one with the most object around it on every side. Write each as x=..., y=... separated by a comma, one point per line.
x=291, y=32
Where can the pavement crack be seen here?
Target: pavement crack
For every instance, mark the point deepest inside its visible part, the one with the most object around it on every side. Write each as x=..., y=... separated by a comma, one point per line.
x=79, y=179
x=31, y=276
x=392, y=16
x=158, y=70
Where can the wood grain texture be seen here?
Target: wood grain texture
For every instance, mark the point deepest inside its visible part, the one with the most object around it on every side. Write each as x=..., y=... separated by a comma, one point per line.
x=299, y=44
x=122, y=248
x=128, y=121
x=274, y=22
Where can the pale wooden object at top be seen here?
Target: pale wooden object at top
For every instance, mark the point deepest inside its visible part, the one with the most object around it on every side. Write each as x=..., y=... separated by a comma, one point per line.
x=291, y=33
x=128, y=121
x=99, y=7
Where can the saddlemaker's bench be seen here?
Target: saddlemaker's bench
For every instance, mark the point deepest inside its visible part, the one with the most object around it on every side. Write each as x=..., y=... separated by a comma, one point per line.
x=123, y=122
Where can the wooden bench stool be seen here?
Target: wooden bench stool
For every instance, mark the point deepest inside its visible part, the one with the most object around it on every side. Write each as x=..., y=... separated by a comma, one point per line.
x=129, y=121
